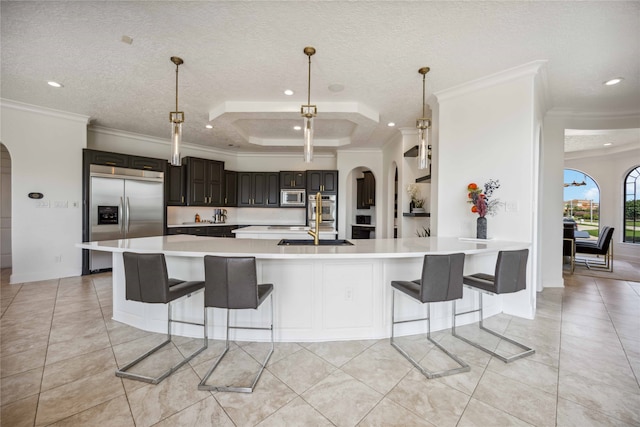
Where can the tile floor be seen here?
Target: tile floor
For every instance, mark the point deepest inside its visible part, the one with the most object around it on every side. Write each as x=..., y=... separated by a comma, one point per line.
x=59, y=350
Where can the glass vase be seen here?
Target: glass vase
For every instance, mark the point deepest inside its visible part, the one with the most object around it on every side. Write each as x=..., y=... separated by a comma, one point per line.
x=481, y=228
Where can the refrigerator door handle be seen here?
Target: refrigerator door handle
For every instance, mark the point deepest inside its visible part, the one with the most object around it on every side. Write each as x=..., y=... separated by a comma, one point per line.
x=128, y=216
x=120, y=218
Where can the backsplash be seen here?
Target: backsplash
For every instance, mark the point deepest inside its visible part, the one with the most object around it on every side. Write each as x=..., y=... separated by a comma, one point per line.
x=177, y=215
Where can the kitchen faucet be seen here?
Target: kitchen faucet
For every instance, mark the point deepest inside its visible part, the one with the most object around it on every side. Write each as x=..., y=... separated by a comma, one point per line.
x=316, y=233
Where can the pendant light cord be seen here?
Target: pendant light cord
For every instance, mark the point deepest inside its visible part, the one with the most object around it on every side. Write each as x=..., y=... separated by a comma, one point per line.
x=309, y=83
x=177, y=66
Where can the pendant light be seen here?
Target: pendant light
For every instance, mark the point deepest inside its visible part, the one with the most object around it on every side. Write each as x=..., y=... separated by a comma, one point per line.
x=177, y=118
x=308, y=113
x=423, y=124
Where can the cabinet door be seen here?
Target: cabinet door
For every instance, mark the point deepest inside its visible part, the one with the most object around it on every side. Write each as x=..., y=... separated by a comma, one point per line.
x=369, y=189
x=272, y=190
x=107, y=159
x=174, y=186
x=215, y=178
x=230, y=188
x=244, y=189
x=196, y=181
x=360, y=197
x=314, y=181
x=330, y=182
x=259, y=189
x=292, y=179
x=147, y=163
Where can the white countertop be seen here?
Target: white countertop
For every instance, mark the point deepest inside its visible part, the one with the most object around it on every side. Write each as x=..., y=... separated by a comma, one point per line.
x=198, y=246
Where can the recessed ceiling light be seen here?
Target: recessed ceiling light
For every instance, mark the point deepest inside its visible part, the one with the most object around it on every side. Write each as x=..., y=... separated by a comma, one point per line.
x=209, y=126
x=606, y=144
x=336, y=87
x=288, y=92
x=613, y=81
x=391, y=124
x=297, y=128
x=54, y=84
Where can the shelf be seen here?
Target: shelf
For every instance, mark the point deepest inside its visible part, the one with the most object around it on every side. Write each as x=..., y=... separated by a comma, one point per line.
x=426, y=178
x=423, y=214
x=412, y=152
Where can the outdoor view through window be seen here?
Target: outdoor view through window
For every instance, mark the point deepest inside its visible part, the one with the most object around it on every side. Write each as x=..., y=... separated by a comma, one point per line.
x=581, y=201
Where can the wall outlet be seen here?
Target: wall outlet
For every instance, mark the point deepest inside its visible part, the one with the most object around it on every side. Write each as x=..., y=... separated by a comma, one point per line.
x=42, y=204
x=60, y=204
x=511, y=206
x=74, y=204
x=348, y=294
x=57, y=258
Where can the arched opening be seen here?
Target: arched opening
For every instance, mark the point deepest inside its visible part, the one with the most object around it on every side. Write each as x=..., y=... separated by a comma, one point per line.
x=581, y=203
x=631, y=206
x=5, y=211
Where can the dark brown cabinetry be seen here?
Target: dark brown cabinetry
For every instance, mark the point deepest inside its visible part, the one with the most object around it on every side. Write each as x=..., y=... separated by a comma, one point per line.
x=204, y=181
x=324, y=181
x=293, y=179
x=366, y=191
x=95, y=157
x=174, y=184
x=211, y=231
x=258, y=189
x=230, y=188
x=361, y=232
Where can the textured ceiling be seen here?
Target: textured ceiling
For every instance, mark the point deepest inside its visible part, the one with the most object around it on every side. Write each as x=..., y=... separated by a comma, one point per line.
x=247, y=52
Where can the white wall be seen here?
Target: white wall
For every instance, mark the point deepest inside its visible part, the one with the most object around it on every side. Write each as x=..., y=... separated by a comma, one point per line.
x=487, y=130
x=46, y=153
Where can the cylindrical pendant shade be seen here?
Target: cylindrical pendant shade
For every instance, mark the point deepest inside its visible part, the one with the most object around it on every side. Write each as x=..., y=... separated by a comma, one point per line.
x=176, y=139
x=308, y=139
x=423, y=147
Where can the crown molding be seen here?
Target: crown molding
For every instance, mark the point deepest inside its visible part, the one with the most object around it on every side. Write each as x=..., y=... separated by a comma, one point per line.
x=21, y=106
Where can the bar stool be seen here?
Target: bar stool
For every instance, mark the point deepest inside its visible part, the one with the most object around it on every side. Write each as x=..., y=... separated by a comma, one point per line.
x=147, y=281
x=231, y=283
x=510, y=276
x=441, y=281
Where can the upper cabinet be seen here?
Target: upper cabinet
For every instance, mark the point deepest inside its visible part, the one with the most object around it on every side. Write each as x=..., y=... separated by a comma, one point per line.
x=230, y=188
x=325, y=182
x=204, y=181
x=174, y=183
x=259, y=189
x=95, y=157
x=293, y=179
x=369, y=189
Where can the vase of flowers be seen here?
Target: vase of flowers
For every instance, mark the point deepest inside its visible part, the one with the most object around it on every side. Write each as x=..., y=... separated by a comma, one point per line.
x=483, y=204
x=417, y=203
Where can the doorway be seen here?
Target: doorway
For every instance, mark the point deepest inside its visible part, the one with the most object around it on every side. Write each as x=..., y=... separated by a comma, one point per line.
x=5, y=209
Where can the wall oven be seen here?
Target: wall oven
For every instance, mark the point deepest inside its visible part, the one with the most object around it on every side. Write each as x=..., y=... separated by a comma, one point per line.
x=293, y=197
x=329, y=217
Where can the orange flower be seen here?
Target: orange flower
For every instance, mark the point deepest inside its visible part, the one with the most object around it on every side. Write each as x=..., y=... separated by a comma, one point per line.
x=472, y=186
x=474, y=209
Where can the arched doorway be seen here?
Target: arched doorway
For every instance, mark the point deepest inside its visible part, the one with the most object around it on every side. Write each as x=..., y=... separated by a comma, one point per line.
x=582, y=202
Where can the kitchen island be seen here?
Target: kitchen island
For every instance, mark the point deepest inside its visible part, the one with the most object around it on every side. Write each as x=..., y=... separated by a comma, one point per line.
x=321, y=292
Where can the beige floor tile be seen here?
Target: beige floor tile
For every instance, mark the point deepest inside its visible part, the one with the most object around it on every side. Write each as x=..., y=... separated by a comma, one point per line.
x=479, y=414
x=601, y=367
x=301, y=370
x=281, y=350
x=508, y=395
x=342, y=399
x=389, y=414
x=380, y=367
x=62, y=402
x=295, y=413
x=570, y=414
x=540, y=376
x=19, y=386
x=464, y=351
x=19, y=362
x=20, y=413
x=616, y=402
x=152, y=403
x=432, y=400
x=78, y=345
x=75, y=368
x=248, y=409
x=338, y=352
x=69, y=332
x=206, y=412
x=113, y=413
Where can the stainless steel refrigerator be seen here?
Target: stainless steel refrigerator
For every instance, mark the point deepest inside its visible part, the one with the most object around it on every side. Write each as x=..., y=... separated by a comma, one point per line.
x=124, y=203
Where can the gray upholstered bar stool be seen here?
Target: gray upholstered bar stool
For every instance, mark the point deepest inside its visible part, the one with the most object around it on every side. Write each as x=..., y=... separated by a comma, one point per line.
x=510, y=276
x=231, y=283
x=147, y=281
x=441, y=281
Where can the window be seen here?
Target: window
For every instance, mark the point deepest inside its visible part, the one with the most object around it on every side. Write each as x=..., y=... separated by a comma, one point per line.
x=582, y=201
x=631, y=207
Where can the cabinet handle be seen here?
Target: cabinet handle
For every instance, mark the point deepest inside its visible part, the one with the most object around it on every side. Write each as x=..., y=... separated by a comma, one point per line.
x=225, y=200
x=147, y=167
x=181, y=199
x=111, y=163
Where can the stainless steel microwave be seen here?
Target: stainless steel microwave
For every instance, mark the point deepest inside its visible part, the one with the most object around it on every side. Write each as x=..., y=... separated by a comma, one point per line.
x=293, y=197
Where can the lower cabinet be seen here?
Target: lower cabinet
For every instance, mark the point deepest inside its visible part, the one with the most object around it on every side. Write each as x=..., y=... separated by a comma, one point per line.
x=211, y=231
x=359, y=232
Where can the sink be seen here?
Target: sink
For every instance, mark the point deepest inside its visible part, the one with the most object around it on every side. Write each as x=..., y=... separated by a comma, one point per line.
x=309, y=242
